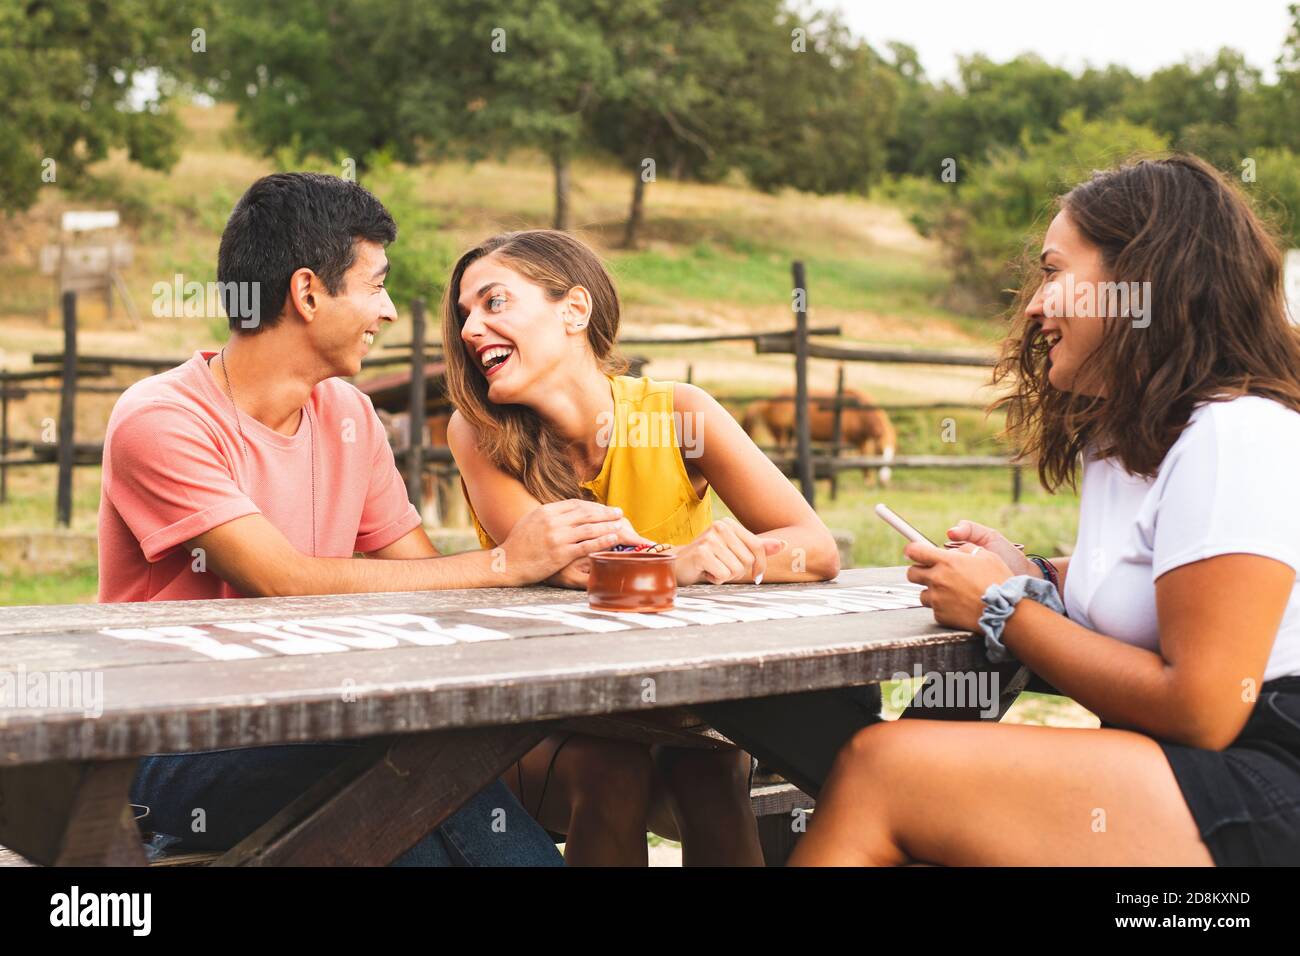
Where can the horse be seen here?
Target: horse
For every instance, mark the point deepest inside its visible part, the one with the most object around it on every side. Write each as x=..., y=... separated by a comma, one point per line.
x=868, y=430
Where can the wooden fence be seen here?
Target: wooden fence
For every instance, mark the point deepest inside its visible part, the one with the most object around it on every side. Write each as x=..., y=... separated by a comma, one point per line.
x=70, y=368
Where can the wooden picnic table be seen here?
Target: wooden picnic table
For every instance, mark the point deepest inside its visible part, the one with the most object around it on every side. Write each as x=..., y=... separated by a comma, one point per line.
x=448, y=688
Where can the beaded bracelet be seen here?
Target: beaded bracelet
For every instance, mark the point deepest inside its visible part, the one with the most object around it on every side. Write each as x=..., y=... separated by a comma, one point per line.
x=1048, y=569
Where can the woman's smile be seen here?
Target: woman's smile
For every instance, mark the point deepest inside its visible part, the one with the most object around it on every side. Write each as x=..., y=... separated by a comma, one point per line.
x=492, y=358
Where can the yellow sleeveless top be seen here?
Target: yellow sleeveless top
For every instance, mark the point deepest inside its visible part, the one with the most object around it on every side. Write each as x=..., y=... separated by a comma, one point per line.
x=643, y=471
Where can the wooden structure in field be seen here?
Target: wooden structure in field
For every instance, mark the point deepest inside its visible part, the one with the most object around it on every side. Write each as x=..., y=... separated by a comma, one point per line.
x=90, y=257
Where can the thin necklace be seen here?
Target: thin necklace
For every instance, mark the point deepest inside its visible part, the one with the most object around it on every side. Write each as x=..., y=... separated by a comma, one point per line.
x=311, y=439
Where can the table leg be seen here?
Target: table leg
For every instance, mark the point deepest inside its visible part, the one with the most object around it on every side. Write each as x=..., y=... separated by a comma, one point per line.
x=797, y=735
x=71, y=813
x=373, y=810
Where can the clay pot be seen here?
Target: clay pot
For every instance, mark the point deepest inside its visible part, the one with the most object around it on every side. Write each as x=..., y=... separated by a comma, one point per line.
x=631, y=581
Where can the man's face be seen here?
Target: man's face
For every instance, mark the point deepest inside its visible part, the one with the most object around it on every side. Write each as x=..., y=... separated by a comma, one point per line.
x=346, y=324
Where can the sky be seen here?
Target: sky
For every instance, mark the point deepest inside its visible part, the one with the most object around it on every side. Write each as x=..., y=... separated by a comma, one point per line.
x=1143, y=35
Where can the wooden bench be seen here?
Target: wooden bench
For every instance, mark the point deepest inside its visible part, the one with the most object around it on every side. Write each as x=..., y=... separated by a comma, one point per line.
x=774, y=805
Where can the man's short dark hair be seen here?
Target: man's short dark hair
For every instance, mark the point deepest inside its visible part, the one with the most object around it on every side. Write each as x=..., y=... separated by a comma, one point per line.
x=291, y=221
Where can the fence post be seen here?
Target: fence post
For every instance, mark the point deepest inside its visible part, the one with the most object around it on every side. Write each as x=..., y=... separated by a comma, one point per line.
x=803, y=436
x=67, y=411
x=837, y=430
x=415, y=453
x=690, y=373
x=4, y=436
x=1015, y=484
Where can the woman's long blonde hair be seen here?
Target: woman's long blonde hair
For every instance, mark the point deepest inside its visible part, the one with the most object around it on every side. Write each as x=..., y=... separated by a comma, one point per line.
x=514, y=437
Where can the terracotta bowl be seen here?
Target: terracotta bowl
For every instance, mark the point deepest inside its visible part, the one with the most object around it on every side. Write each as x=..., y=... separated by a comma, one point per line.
x=631, y=581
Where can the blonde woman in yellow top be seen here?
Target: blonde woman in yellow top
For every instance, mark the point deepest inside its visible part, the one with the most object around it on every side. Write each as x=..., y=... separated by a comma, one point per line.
x=544, y=413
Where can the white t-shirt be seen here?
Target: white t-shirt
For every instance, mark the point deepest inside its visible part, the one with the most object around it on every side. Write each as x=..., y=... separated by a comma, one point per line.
x=1230, y=484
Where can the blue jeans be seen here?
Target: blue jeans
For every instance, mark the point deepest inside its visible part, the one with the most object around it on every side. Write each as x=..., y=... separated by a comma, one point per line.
x=228, y=794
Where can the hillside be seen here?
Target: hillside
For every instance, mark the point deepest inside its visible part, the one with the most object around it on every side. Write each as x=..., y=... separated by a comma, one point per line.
x=714, y=257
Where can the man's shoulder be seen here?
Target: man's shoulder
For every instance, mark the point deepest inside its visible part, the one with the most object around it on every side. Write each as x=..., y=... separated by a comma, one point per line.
x=172, y=391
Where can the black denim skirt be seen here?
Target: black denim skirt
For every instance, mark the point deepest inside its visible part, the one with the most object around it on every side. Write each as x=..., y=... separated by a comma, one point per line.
x=1246, y=798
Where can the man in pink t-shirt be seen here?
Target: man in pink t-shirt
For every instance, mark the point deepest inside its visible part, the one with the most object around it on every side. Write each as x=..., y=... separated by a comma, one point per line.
x=257, y=471
x=176, y=466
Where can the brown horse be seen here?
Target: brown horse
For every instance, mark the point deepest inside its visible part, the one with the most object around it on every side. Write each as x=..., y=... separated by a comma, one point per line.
x=868, y=430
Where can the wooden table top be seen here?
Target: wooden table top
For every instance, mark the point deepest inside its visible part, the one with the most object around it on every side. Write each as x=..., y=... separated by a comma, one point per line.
x=199, y=675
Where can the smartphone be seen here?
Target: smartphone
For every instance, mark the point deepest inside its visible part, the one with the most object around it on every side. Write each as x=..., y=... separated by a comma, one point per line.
x=901, y=526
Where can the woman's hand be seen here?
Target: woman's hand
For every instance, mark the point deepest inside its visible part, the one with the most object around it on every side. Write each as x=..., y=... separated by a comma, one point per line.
x=968, y=532
x=955, y=580
x=727, y=552
x=574, y=574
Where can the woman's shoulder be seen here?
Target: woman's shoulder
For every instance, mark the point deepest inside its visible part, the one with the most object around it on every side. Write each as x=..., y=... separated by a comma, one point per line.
x=1246, y=431
x=461, y=436
x=1249, y=414
x=638, y=389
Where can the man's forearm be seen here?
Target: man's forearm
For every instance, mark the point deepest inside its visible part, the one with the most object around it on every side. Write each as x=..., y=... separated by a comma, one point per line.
x=255, y=558
x=472, y=569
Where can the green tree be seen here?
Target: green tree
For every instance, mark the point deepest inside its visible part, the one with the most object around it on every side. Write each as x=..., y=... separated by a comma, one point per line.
x=344, y=79
x=1194, y=92
x=1271, y=115
x=421, y=79
x=545, y=68
x=984, y=220
x=916, y=97
x=1275, y=188
x=1104, y=91
x=684, y=100
x=80, y=77
x=827, y=103
x=992, y=104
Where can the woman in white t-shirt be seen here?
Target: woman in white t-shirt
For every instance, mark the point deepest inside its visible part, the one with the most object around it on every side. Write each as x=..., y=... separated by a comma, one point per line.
x=1181, y=406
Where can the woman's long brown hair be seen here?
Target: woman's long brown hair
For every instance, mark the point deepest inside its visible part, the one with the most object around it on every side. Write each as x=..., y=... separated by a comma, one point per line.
x=514, y=437
x=1217, y=311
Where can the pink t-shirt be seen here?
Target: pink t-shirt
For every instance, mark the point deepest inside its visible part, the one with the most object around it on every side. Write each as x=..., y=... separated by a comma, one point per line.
x=174, y=467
